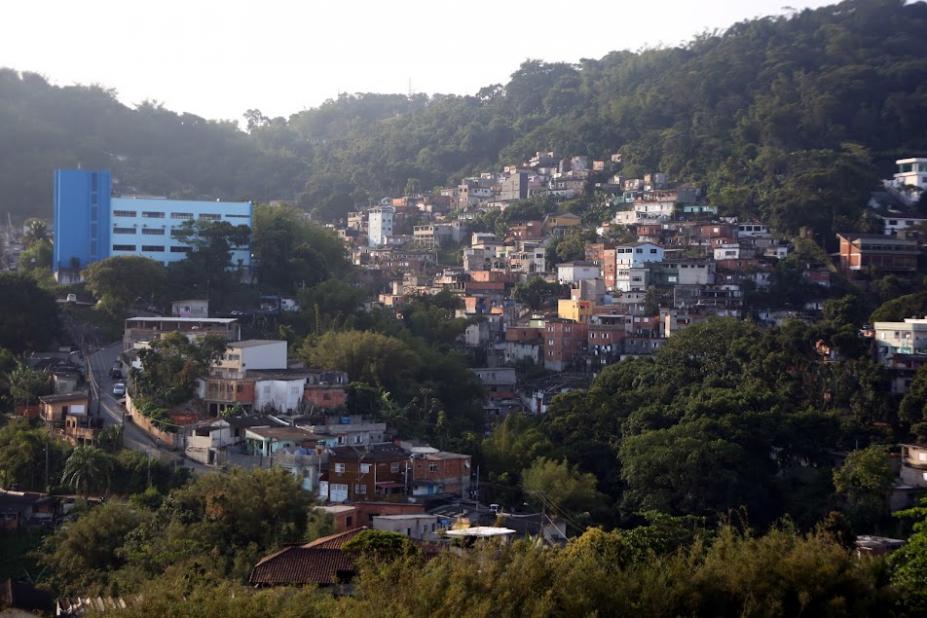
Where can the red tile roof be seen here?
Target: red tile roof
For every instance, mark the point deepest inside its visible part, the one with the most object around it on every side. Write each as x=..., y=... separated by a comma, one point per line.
x=319, y=562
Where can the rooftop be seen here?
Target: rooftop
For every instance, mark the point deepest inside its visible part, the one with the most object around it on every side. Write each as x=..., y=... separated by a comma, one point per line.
x=253, y=343
x=183, y=320
x=481, y=532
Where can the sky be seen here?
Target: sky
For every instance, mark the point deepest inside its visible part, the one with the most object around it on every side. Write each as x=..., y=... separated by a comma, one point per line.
x=218, y=58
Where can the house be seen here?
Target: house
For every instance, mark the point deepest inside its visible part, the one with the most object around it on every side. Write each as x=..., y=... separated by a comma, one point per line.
x=564, y=343
x=523, y=343
x=265, y=441
x=320, y=563
x=877, y=252
x=349, y=430
x=344, y=516
x=914, y=465
x=279, y=390
x=630, y=264
x=573, y=272
x=565, y=221
x=139, y=332
x=372, y=472
x=496, y=378
x=21, y=508
x=68, y=415
x=437, y=472
x=418, y=526
x=574, y=310
x=900, y=338
x=190, y=308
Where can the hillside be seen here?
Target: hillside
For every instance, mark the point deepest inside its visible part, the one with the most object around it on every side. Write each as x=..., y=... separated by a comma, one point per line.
x=791, y=118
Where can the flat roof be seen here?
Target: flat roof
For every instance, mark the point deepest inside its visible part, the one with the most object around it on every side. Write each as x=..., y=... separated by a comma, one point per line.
x=252, y=343
x=481, y=531
x=183, y=320
x=405, y=516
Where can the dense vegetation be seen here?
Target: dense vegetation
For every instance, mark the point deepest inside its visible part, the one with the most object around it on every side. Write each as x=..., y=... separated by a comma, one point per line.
x=791, y=118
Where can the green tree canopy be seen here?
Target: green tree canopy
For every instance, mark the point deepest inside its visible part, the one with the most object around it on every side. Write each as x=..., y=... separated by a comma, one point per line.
x=117, y=281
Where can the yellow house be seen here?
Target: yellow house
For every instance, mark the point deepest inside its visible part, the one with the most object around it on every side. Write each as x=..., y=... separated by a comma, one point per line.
x=574, y=310
x=566, y=220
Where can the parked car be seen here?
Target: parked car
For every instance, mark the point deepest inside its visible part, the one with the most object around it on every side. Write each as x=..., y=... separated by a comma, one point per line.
x=119, y=389
x=71, y=299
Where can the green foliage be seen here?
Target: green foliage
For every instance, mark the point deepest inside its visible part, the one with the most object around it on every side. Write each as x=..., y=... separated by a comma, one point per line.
x=170, y=367
x=291, y=252
x=87, y=469
x=865, y=481
x=537, y=293
x=380, y=545
x=83, y=555
x=27, y=384
x=28, y=314
x=557, y=482
x=777, y=114
x=909, y=563
x=208, y=271
x=24, y=451
x=897, y=309
x=117, y=281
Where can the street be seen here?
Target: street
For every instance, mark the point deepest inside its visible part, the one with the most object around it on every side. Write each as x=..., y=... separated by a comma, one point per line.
x=113, y=413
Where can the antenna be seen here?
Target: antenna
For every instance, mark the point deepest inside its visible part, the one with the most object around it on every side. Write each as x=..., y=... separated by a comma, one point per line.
x=410, y=87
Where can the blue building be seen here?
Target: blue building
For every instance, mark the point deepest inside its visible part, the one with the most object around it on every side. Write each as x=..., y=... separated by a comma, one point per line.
x=91, y=225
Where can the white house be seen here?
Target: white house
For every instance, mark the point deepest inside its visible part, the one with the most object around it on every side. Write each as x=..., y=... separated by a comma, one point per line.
x=727, y=252
x=380, y=225
x=574, y=272
x=908, y=337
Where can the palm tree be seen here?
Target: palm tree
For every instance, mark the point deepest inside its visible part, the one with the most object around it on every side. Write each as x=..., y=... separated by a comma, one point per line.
x=36, y=231
x=87, y=467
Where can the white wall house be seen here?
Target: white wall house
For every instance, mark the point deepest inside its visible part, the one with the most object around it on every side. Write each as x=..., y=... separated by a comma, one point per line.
x=380, y=225
x=574, y=272
x=908, y=337
x=281, y=393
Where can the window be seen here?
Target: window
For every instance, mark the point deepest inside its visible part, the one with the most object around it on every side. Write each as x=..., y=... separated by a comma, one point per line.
x=339, y=468
x=360, y=489
x=237, y=216
x=153, y=248
x=210, y=217
x=152, y=231
x=181, y=215
x=176, y=233
x=653, y=251
x=433, y=467
x=149, y=214
x=922, y=456
x=123, y=230
x=123, y=247
x=180, y=249
x=124, y=213
x=394, y=467
x=365, y=468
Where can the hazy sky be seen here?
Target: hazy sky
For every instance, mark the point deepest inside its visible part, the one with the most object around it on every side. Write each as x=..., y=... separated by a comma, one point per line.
x=218, y=58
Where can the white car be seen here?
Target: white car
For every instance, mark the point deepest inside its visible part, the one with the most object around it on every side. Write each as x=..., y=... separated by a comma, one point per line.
x=71, y=299
x=119, y=389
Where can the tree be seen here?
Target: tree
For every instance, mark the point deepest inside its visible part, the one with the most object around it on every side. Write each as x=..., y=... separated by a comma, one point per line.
x=865, y=481
x=909, y=563
x=36, y=231
x=292, y=252
x=208, y=268
x=560, y=484
x=87, y=469
x=380, y=545
x=83, y=556
x=30, y=458
x=119, y=280
x=368, y=357
x=537, y=293
x=27, y=384
x=171, y=366
x=28, y=314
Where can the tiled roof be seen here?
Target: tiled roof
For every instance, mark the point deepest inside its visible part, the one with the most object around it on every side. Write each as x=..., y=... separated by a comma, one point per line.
x=320, y=562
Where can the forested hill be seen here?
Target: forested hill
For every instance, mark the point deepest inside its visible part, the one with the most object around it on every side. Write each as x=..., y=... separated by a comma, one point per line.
x=791, y=118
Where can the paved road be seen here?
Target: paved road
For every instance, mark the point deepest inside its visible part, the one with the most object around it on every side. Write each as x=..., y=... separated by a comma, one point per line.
x=113, y=413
